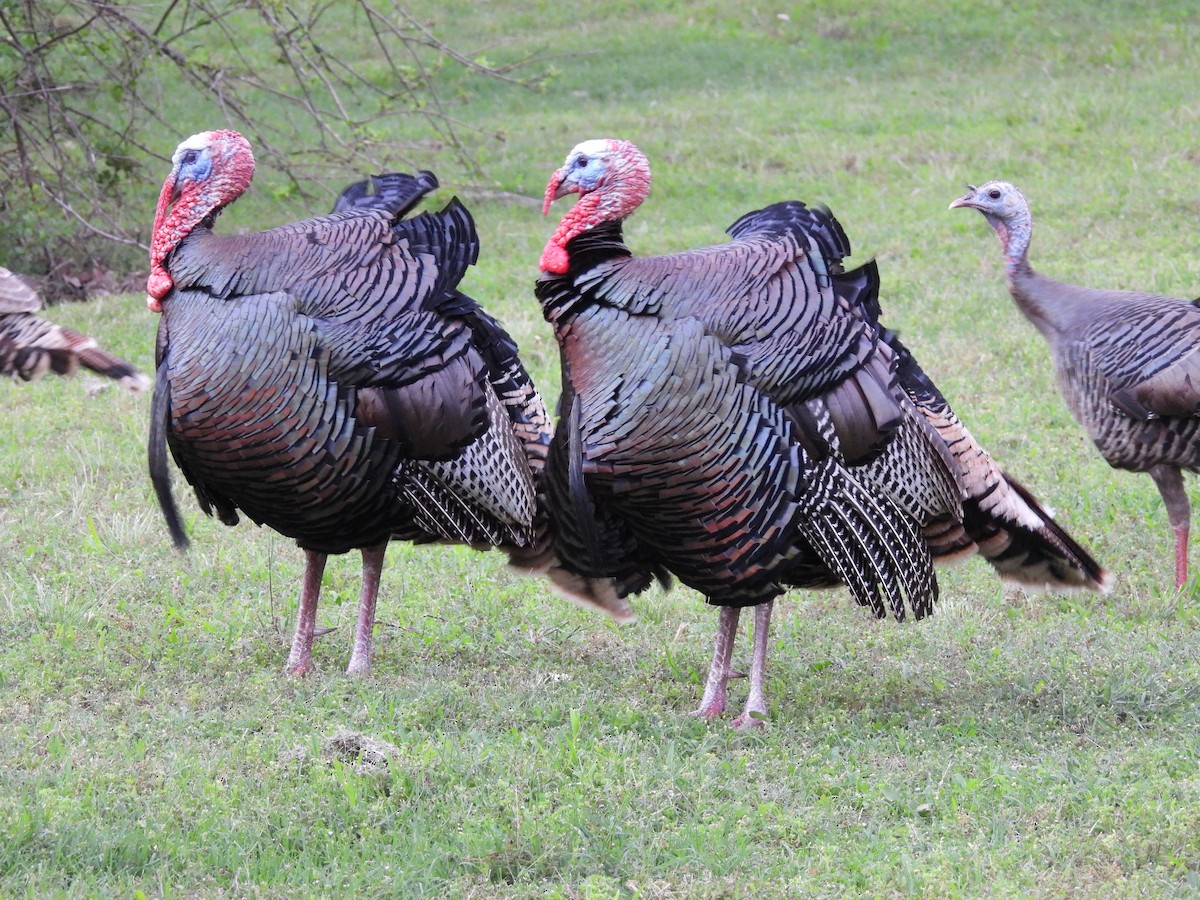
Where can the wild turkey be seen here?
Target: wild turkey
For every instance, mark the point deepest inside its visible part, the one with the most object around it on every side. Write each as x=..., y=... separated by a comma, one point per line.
x=1127, y=363
x=31, y=346
x=327, y=379
x=737, y=416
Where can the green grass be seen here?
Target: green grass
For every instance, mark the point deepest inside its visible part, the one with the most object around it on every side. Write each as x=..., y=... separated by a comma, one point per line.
x=1038, y=745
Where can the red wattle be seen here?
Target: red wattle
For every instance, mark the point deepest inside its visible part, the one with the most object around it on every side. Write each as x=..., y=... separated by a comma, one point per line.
x=554, y=259
x=158, y=285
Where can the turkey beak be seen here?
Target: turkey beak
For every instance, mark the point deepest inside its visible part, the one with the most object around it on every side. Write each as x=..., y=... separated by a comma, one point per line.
x=559, y=186
x=967, y=199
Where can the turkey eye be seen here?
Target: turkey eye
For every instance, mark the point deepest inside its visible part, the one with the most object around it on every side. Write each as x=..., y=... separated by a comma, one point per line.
x=188, y=158
x=581, y=163
x=994, y=194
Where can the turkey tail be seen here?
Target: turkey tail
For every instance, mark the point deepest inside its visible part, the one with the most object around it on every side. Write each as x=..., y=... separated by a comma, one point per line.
x=1024, y=544
x=104, y=363
x=1001, y=518
x=449, y=236
x=605, y=595
x=30, y=347
x=397, y=192
x=31, y=363
x=792, y=217
x=160, y=413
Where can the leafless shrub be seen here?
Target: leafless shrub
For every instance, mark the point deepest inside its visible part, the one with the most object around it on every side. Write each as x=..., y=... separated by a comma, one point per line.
x=88, y=89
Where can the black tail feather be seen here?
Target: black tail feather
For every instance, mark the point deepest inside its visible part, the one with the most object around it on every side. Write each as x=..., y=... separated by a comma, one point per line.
x=397, y=192
x=160, y=412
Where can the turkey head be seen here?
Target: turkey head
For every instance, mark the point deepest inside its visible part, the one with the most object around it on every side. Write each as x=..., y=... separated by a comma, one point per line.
x=612, y=179
x=208, y=172
x=1007, y=211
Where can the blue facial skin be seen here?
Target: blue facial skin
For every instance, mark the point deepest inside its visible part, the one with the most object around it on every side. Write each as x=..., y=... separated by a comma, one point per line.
x=194, y=165
x=584, y=171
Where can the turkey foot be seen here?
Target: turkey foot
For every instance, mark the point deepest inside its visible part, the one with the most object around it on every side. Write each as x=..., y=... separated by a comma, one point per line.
x=755, y=712
x=716, y=688
x=300, y=659
x=360, y=656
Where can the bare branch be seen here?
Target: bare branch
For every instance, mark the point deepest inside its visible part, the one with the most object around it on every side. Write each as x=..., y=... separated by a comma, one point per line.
x=67, y=208
x=90, y=85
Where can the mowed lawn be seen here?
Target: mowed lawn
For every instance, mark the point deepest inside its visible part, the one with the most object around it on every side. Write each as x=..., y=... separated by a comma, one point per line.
x=511, y=745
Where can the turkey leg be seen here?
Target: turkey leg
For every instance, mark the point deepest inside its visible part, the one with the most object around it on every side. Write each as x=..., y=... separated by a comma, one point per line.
x=716, y=689
x=300, y=659
x=1170, y=484
x=360, y=657
x=756, y=706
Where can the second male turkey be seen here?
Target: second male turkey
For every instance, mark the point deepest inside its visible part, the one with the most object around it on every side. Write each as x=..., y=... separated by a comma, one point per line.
x=1127, y=363
x=328, y=379
x=737, y=416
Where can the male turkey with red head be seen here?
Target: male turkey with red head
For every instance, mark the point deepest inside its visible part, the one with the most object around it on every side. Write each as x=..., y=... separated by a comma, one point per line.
x=737, y=415
x=328, y=379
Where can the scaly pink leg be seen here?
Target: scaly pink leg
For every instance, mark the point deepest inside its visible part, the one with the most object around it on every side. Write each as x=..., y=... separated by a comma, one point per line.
x=1181, y=554
x=716, y=689
x=1170, y=484
x=300, y=659
x=360, y=657
x=755, y=713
